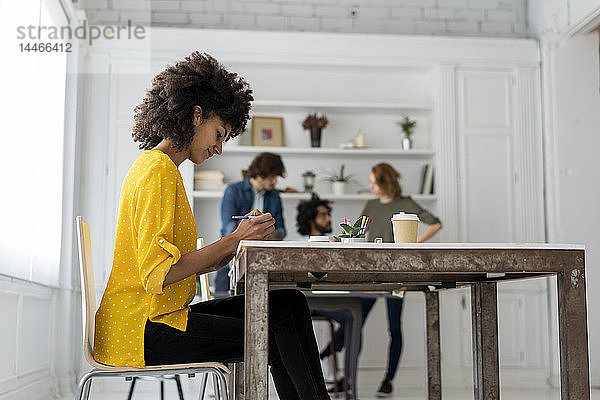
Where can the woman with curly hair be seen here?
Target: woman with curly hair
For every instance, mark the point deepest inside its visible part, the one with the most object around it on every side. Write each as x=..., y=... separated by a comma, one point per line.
x=145, y=317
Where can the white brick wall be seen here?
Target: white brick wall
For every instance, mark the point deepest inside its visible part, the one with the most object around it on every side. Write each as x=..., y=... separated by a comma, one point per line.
x=430, y=17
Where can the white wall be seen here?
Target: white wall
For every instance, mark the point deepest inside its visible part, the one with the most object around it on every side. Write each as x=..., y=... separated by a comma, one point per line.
x=570, y=84
x=38, y=340
x=423, y=17
x=577, y=145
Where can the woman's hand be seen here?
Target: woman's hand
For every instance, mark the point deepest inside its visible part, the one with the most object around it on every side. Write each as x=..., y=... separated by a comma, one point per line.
x=257, y=228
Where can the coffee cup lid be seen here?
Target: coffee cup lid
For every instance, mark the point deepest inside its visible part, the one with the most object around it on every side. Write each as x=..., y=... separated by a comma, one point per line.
x=405, y=217
x=317, y=238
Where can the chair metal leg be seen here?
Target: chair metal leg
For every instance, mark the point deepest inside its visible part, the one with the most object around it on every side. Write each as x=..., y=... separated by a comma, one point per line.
x=215, y=381
x=203, y=386
x=179, y=389
x=333, y=356
x=86, y=389
x=131, y=388
x=83, y=389
x=223, y=385
x=162, y=390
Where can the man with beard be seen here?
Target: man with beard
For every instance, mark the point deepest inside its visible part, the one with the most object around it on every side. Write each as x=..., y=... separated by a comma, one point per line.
x=314, y=217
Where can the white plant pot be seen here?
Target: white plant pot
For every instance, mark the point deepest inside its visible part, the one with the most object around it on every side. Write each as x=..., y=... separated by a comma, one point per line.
x=354, y=240
x=338, y=188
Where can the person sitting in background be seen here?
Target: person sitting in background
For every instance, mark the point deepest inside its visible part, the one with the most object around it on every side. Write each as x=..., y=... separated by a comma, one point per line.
x=314, y=217
x=384, y=183
x=256, y=191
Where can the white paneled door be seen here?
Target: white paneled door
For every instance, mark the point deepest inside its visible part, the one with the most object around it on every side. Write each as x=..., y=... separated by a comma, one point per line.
x=485, y=130
x=500, y=200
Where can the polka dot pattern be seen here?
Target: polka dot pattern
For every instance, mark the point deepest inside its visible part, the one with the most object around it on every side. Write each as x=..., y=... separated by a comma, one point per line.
x=155, y=227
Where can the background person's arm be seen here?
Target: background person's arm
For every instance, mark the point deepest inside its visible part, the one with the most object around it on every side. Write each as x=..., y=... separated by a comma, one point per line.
x=228, y=209
x=429, y=232
x=426, y=217
x=279, y=220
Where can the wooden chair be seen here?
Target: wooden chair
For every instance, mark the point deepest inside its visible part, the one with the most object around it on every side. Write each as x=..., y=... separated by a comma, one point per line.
x=88, y=302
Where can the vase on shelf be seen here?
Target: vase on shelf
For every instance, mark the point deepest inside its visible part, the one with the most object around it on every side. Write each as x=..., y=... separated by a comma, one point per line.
x=315, y=136
x=406, y=143
x=338, y=187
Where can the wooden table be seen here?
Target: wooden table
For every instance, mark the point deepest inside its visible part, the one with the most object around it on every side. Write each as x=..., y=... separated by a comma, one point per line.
x=424, y=267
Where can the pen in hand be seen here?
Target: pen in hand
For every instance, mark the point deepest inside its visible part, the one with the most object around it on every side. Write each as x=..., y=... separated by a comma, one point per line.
x=243, y=216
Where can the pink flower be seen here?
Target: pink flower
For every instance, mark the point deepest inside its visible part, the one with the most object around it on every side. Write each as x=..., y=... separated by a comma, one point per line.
x=314, y=121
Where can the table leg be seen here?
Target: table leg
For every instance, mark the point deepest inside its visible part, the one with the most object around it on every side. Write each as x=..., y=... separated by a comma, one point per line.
x=434, y=371
x=484, y=310
x=256, y=336
x=573, y=335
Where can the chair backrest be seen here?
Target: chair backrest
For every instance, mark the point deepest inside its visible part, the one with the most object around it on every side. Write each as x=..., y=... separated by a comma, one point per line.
x=204, y=284
x=88, y=291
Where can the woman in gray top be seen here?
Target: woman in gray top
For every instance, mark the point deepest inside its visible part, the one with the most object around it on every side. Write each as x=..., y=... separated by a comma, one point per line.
x=384, y=183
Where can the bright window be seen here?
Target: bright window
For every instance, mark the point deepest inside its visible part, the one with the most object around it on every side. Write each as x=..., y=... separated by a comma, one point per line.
x=32, y=125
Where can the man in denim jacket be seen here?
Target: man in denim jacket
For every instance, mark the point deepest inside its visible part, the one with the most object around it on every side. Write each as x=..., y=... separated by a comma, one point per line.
x=256, y=191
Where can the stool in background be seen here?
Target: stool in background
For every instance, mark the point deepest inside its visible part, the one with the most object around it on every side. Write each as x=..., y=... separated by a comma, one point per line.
x=352, y=331
x=331, y=349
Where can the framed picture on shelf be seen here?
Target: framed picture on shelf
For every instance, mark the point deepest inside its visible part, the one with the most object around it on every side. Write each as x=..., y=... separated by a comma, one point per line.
x=267, y=131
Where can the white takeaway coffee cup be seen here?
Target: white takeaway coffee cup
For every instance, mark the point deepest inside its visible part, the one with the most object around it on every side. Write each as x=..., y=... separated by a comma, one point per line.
x=405, y=227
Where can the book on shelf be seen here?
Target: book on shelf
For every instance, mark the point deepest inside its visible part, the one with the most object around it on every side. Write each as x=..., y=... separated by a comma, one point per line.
x=205, y=179
x=427, y=181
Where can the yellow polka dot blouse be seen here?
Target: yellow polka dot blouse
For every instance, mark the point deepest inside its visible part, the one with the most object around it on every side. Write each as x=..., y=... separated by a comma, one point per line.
x=155, y=228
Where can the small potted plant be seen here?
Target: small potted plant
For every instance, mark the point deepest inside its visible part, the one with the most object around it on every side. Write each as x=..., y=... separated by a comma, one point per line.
x=339, y=181
x=355, y=232
x=315, y=124
x=408, y=127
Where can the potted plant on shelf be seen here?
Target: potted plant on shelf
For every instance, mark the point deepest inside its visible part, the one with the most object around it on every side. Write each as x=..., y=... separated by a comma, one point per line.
x=315, y=124
x=339, y=181
x=408, y=127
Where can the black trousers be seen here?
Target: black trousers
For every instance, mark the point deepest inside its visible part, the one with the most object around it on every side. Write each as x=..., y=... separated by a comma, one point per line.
x=215, y=332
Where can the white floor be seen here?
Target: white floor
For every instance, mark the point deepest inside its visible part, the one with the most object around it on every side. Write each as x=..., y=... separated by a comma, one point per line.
x=145, y=392
x=118, y=388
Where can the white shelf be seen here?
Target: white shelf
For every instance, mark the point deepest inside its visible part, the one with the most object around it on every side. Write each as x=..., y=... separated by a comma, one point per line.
x=217, y=194
x=327, y=151
x=312, y=106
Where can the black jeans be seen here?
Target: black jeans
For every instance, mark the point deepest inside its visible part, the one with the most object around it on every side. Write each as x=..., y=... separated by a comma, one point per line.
x=215, y=332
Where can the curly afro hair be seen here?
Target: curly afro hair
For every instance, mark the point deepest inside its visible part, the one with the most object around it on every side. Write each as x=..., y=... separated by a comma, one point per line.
x=307, y=212
x=167, y=110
